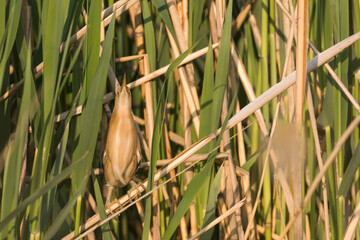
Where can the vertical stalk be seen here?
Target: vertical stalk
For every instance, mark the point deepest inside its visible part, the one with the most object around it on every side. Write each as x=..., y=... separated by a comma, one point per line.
x=265, y=86
x=301, y=60
x=331, y=186
x=356, y=137
x=340, y=32
x=264, y=54
x=273, y=75
x=77, y=215
x=312, y=170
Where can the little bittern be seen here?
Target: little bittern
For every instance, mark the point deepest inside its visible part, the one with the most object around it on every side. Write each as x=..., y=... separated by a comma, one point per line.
x=122, y=153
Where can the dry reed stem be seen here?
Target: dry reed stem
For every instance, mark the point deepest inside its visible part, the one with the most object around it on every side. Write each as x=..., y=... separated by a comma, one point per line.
x=149, y=105
x=349, y=233
x=185, y=25
x=167, y=141
x=176, y=138
x=301, y=60
x=307, y=228
x=186, y=122
x=241, y=16
x=91, y=201
x=129, y=58
x=283, y=8
x=322, y=172
x=166, y=196
x=139, y=120
x=219, y=17
x=288, y=52
x=261, y=230
x=212, y=23
x=102, y=25
x=255, y=29
x=320, y=207
x=183, y=11
x=219, y=219
x=293, y=12
x=155, y=215
x=193, y=158
x=290, y=64
x=142, y=140
x=319, y=158
x=244, y=113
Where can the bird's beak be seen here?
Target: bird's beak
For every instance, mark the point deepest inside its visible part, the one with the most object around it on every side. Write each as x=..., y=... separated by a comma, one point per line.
x=123, y=83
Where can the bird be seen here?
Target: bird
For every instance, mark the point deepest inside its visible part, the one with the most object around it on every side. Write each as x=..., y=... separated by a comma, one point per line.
x=122, y=153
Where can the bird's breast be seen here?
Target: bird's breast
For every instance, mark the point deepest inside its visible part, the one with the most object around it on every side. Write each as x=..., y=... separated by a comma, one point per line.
x=121, y=144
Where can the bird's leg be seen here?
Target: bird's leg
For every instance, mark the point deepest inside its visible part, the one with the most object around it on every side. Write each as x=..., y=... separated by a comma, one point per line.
x=108, y=193
x=110, y=190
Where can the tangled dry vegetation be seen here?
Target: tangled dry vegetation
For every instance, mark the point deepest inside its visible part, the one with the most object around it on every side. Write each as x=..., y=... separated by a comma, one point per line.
x=236, y=144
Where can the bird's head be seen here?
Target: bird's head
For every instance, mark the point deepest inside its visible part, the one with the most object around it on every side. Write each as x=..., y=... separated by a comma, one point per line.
x=123, y=95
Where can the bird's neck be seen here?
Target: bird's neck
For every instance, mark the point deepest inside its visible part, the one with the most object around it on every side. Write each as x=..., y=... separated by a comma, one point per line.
x=122, y=109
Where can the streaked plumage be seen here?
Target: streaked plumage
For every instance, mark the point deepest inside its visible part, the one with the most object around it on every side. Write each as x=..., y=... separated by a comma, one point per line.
x=122, y=152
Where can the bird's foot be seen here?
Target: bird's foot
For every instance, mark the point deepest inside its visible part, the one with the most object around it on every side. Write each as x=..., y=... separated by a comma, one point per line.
x=136, y=186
